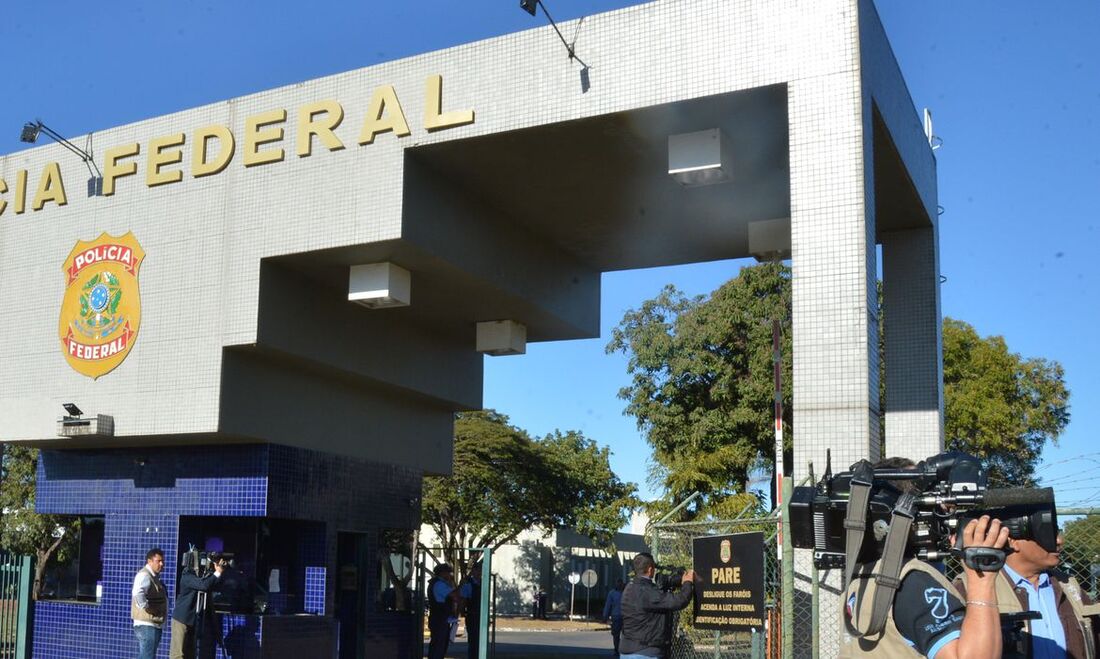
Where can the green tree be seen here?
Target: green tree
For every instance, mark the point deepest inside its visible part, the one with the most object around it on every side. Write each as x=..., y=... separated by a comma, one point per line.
x=702, y=385
x=702, y=390
x=998, y=405
x=504, y=482
x=23, y=531
x=1082, y=546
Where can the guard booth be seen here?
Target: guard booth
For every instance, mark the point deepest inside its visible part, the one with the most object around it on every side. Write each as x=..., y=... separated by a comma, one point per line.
x=269, y=309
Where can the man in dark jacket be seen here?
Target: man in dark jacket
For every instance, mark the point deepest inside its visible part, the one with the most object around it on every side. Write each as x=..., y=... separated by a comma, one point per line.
x=647, y=611
x=185, y=614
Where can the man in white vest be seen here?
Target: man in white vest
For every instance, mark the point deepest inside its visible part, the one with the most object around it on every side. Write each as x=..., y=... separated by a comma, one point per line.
x=149, y=604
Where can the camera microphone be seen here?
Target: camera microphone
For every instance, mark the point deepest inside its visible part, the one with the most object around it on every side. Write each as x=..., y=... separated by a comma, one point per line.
x=1014, y=496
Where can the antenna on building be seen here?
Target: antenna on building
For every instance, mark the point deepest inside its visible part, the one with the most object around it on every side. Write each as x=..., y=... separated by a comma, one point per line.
x=934, y=140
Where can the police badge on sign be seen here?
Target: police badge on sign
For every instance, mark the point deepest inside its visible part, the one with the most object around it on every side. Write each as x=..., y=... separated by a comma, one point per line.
x=101, y=309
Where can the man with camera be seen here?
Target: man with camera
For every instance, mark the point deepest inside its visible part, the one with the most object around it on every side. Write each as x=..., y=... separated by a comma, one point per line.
x=898, y=605
x=1031, y=582
x=185, y=615
x=648, y=610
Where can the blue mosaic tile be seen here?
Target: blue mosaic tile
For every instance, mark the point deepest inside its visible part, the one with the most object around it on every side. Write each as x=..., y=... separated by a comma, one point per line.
x=143, y=494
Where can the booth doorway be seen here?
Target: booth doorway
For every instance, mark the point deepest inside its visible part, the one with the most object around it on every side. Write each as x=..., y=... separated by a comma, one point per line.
x=351, y=593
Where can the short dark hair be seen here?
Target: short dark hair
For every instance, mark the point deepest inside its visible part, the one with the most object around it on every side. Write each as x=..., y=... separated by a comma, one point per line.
x=155, y=551
x=441, y=568
x=643, y=562
x=899, y=463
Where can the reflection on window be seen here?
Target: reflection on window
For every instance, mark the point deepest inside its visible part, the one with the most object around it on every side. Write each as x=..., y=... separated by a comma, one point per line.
x=395, y=563
x=78, y=573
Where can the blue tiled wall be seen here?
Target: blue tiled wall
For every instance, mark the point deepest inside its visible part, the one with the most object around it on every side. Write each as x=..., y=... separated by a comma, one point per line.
x=143, y=493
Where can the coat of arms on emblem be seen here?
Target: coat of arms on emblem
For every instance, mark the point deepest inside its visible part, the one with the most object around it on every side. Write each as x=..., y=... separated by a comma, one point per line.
x=101, y=310
x=724, y=550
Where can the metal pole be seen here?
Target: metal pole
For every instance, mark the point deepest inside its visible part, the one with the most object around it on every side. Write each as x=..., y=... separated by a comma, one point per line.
x=757, y=648
x=572, y=596
x=717, y=645
x=486, y=601
x=653, y=527
x=493, y=642
x=788, y=581
x=815, y=610
x=777, y=371
x=26, y=608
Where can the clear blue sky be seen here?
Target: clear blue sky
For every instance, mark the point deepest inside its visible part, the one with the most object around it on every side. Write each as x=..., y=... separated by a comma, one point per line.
x=1014, y=87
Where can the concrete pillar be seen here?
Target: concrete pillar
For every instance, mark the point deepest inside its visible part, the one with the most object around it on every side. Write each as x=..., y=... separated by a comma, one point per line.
x=914, y=343
x=834, y=276
x=835, y=300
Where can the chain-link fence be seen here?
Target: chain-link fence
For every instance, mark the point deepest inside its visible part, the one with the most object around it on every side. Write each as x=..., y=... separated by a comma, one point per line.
x=672, y=547
x=813, y=601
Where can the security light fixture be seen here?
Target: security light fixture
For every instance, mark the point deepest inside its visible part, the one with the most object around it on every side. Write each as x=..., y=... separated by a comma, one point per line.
x=532, y=6
x=379, y=285
x=31, y=131
x=699, y=158
x=72, y=409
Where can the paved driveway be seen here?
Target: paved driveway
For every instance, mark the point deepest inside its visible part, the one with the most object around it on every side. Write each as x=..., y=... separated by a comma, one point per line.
x=513, y=645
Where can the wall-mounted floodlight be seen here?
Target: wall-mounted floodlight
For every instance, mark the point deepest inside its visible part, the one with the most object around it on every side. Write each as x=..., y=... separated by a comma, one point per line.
x=379, y=285
x=700, y=158
x=532, y=7
x=30, y=133
x=75, y=424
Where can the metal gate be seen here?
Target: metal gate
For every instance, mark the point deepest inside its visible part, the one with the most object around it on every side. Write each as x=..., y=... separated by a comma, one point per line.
x=16, y=573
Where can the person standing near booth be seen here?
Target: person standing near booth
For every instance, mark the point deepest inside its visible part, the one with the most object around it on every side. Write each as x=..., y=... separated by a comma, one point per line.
x=149, y=604
x=470, y=591
x=442, y=606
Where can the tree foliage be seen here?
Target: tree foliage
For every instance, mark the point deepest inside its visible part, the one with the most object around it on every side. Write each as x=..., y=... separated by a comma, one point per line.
x=504, y=482
x=702, y=385
x=998, y=405
x=22, y=530
x=701, y=390
x=1082, y=544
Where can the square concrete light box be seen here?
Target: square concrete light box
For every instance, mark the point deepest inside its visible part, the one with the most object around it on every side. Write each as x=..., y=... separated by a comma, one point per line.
x=379, y=285
x=699, y=158
x=501, y=337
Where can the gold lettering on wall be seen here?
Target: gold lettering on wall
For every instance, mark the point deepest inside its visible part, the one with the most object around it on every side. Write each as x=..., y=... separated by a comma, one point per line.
x=20, y=191
x=113, y=169
x=257, y=133
x=201, y=164
x=161, y=155
x=383, y=114
x=434, y=117
x=50, y=188
x=3, y=189
x=310, y=124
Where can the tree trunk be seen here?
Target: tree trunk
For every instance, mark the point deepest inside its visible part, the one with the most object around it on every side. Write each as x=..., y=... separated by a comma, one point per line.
x=43, y=557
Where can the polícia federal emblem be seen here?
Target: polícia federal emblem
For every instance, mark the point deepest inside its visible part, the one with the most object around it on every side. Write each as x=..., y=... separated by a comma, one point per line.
x=101, y=310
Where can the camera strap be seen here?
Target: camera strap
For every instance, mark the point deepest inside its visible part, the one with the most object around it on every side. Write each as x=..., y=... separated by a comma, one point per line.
x=855, y=519
x=887, y=580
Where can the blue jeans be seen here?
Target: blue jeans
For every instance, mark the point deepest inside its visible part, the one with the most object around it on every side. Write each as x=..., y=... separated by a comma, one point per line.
x=148, y=639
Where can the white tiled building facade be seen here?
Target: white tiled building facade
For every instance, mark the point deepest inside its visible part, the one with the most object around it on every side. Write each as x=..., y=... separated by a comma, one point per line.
x=246, y=333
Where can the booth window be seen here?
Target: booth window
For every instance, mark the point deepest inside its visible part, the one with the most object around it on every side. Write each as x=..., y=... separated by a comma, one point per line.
x=77, y=574
x=395, y=570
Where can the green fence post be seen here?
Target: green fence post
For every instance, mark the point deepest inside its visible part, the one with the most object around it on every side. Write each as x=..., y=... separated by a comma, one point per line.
x=757, y=647
x=815, y=611
x=788, y=575
x=486, y=593
x=717, y=645
x=23, y=629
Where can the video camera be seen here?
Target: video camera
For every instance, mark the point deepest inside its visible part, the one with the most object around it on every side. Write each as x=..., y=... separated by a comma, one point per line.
x=939, y=494
x=668, y=579
x=201, y=563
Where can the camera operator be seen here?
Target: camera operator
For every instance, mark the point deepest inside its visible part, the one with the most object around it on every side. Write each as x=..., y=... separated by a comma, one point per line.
x=1031, y=581
x=647, y=611
x=185, y=614
x=926, y=617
